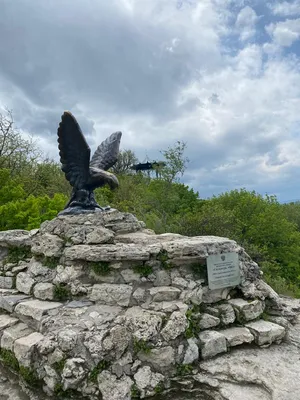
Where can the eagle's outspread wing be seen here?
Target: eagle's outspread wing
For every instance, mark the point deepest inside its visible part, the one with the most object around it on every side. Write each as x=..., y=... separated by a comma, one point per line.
x=73, y=150
x=107, y=153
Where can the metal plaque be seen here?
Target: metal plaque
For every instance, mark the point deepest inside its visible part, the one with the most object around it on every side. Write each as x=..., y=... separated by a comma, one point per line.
x=223, y=270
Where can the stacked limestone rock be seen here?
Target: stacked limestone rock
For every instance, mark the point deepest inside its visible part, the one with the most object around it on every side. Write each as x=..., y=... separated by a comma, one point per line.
x=97, y=305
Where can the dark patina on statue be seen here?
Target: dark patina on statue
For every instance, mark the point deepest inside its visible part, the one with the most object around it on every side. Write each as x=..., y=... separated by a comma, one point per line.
x=84, y=174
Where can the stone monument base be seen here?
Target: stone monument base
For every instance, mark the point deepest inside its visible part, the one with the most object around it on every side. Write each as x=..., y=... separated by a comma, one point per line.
x=95, y=305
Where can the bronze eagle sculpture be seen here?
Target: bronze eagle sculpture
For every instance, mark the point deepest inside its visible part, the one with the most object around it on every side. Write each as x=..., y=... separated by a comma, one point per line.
x=83, y=173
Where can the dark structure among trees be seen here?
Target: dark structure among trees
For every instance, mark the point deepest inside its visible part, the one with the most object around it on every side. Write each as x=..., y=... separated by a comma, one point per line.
x=155, y=165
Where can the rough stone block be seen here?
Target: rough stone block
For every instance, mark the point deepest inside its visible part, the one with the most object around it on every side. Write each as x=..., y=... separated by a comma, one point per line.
x=111, y=294
x=143, y=323
x=208, y=321
x=25, y=346
x=160, y=358
x=48, y=245
x=6, y=321
x=192, y=296
x=112, y=388
x=192, y=352
x=8, y=303
x=106, y=252
x=226, y=313
x=176, y=325
x=212, y=343
x=32, y=311
x=247, y=311
x=162, y=278
x=237, y=336
x=6, y=282
x=129, y=275
x=266, y=332
x=44, y=291
x=10, y=335
x=99, y=235
x=164, y=293
x=24, y=282
x=213, y=296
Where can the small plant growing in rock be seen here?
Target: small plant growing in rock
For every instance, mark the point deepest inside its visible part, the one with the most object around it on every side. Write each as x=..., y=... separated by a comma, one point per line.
x=199, y=270
x=62, y=292
x=59, y=365
x=9, y=359
x=183, y=369
x=163, y=257
x=141, y=345
x=100, y=268
x=143, y=270
x=101, y=366
x=159, y=388
x=50, y=262
x=193, y=317
x=135, y=392
x=60, y=393
x=29, y=376
x=16, y=254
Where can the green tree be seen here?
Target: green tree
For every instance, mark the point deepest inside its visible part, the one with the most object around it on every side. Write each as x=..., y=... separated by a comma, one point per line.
x=126, y=159
x=176, y=162
x=15, y=150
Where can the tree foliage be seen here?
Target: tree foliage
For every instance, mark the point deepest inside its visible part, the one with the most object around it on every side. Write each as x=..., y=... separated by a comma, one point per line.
x=15, y=151
x=126, y=159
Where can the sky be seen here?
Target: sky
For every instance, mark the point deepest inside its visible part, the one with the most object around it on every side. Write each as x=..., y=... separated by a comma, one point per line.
x=221, y=75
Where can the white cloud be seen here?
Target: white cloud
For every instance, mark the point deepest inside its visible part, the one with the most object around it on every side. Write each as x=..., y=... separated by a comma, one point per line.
x=245, y=23
x=161, y=71
x=285, y=33
x=285, y=8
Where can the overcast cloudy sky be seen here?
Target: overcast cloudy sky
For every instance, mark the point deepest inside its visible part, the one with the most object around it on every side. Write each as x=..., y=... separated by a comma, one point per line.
x=222, y=75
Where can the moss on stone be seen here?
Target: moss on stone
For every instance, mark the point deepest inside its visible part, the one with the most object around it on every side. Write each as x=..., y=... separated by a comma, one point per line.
x=100, y=267
x=62, y=292
x=101, y=366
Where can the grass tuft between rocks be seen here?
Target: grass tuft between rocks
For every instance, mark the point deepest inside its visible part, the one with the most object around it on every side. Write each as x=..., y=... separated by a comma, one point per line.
x=101, y=366
x=16, y=254
x=100, y=267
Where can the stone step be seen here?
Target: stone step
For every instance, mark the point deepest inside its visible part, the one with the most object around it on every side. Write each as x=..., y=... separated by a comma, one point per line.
x=265, y=332
x=11, y=334
x=237, y=336
x=31, y=312
x=9, y=302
